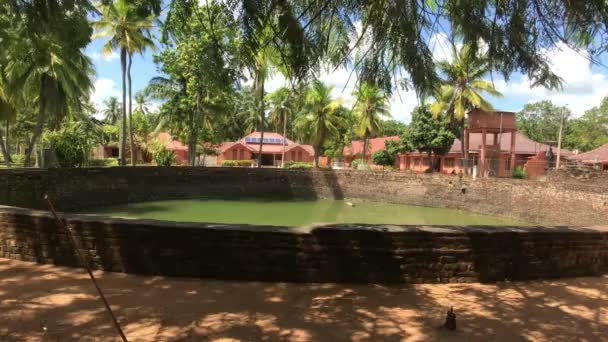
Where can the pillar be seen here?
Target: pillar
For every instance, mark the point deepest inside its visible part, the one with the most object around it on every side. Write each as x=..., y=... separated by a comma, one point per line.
x=495, y=142
x=512, y=164
x=482, y=158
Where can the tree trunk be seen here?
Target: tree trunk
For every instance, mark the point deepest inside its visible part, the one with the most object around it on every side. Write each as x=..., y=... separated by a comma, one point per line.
x=465, y=163
x=365, y=139
x=261, y=90
x=193, y=132
x=132, y=143
x=39, y=125
x=4, y=147
x=123, y=133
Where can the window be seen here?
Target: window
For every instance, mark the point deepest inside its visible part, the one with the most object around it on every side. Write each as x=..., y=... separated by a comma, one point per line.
x=417, y=162
x=234, y=154
x=448, y=162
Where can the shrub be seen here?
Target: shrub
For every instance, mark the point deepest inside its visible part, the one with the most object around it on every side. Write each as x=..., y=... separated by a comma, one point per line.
x=71, y=145
x=106, y=162
x=161, y=155
x=17, y=160
x=360, y=164
x=233, y=163
x=298, y=165
x=520, y=173
x=383, y=158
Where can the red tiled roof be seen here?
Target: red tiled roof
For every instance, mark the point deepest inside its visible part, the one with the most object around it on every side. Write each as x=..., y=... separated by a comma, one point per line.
x=173, y=145
x=374, y=144
x=523, y=144
x=599, y=155
x=266, y=147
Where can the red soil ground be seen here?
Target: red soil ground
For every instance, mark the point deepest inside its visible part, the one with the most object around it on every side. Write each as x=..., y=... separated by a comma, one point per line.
x=48, y=303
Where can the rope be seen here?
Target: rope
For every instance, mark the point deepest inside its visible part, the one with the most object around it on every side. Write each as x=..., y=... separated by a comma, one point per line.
x=86, y=265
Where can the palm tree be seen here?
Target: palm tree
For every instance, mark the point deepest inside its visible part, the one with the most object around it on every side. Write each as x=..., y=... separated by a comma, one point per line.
x=321, y=117
x=111, y=112
x=7, y=114
x=56, y=76
x=141, y=103
x=460, y=91
x=127, y=31
x=371, y=105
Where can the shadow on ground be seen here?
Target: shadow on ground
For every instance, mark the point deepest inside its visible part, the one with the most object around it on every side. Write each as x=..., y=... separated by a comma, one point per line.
x=179, y=309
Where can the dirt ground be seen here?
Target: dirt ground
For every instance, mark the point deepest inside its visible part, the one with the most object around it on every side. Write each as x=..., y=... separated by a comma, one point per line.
x=48, y=303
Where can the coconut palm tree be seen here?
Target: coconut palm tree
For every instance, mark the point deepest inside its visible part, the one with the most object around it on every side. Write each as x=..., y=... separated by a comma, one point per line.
x=127, y=31
x=55, y=76
x=7, y=114
x=321, y=117
x=462, y=88
x=111, y=111
x=141, y=103
x=369, y=109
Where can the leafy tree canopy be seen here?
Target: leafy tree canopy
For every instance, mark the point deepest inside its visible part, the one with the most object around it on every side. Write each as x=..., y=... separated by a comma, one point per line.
x=428, y=134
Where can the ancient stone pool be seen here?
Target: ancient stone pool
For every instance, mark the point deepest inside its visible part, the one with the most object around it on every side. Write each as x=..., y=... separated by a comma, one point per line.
x=297, y=213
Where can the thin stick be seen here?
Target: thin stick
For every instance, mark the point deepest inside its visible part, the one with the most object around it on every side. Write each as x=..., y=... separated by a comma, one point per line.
x=86, y=265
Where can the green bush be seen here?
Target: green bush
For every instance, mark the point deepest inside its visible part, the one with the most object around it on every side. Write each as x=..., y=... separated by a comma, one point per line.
x=236, y=163
x=106, y=162
x=360, y=164
x=383, y=158
x=72, y=145
x=520, y=173
x=161, y=155
x=298, y=165
x=17, y=160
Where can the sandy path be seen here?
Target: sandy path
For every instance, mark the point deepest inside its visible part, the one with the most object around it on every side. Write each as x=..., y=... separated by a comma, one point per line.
x=178, y=309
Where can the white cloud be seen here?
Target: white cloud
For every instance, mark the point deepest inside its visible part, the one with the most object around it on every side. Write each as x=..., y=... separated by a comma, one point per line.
x=582, y=89
x=96, y=56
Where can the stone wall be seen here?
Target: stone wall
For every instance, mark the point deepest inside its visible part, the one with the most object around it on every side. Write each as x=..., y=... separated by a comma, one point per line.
x=337, y=253
x=552, y=201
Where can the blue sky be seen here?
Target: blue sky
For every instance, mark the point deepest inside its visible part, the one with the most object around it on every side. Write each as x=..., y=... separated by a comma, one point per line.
x=585, y=85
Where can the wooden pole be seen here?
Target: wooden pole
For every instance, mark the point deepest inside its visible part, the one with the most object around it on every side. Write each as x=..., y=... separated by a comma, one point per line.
x=559, y=140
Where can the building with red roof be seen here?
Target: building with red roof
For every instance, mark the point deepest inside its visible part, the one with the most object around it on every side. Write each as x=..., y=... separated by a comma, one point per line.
x=504, y=149
x=273, y=147
x=597, y=157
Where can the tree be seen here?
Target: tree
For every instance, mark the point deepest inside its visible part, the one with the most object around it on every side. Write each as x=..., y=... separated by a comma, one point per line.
x=461, y=89
x=540, y=121
x=430, y=135
x=392, y=128
x=590, y=131
x=321, y=117
x=128, y=32
x=202, y=68
x=371, y=105
x=111, y=110
x=141, y=103
x=51, y=69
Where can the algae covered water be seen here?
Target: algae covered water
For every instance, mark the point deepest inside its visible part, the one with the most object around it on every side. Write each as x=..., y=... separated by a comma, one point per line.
x=296, y=213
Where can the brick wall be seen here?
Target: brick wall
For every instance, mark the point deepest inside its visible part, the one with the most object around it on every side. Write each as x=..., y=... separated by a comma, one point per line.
x=558, y=200
x=340, y=253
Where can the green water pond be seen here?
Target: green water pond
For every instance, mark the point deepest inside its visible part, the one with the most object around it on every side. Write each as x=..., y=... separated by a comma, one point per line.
x=297, y=213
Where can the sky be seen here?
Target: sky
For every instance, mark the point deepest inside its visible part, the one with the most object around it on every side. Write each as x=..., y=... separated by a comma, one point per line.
x=585, y=85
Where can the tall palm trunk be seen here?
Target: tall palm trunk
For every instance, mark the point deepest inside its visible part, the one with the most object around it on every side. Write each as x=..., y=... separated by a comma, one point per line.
x=39, y=124
x=132, y=143
x=193, y=130
x=4, y=147
x=365, y=140
x=260, y=84
x=123, y=133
